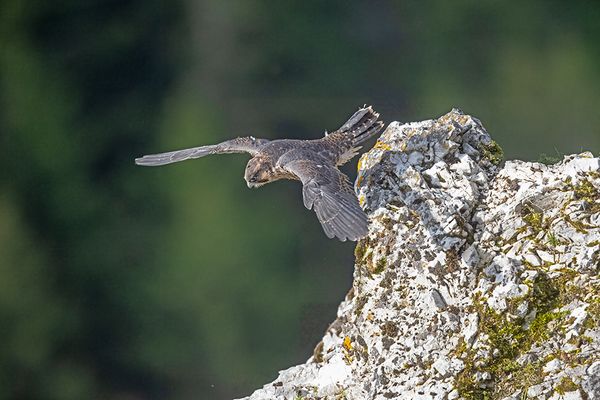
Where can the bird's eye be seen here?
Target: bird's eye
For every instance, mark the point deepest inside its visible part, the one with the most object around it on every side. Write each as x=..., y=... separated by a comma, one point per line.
x=253, y=179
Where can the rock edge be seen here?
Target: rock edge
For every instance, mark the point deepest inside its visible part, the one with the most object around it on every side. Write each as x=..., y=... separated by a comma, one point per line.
x=475, y=281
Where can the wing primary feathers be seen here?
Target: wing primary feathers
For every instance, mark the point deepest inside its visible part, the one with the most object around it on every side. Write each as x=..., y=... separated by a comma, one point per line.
x=329, y=193
x=239, y=145
x=153, y=160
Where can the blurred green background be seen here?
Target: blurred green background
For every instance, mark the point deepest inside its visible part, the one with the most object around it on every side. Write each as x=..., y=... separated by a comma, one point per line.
x=122, y=282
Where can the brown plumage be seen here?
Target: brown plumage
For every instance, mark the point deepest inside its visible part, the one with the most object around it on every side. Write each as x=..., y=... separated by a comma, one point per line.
x=313, y=162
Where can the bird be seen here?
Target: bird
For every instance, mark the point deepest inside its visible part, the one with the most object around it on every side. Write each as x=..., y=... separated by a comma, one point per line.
x=313, y=162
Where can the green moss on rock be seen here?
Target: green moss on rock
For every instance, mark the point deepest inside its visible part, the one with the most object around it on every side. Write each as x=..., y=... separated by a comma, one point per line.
x=534, y=219
x=566, y=385
x=379, y=266
x=587, y=192
x=493, y=152
x=509, y=338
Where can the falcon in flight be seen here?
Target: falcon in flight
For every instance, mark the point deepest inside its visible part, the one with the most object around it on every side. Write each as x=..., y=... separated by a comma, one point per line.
x=313, y=162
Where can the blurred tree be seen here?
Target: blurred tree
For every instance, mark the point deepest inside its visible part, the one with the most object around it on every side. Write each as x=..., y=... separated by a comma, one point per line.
x=81, y=89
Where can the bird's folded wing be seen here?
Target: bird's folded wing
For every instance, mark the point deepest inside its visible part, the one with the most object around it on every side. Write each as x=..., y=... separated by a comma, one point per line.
x=239, y=145
x=328, y=191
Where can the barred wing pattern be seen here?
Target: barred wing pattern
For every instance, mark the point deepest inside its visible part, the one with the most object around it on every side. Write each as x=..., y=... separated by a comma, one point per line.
x=361, y=126
x=328, y=191
x=239, y=145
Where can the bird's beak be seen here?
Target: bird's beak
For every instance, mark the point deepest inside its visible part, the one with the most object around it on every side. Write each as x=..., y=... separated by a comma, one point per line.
x=254, y=185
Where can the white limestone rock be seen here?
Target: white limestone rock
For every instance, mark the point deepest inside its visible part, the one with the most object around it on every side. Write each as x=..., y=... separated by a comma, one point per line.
x=475, y=281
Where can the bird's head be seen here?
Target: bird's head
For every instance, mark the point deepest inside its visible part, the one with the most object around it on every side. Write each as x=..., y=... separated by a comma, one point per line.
x=259, y=171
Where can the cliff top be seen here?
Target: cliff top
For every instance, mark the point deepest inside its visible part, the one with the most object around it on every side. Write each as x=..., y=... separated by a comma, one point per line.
x=477, y=280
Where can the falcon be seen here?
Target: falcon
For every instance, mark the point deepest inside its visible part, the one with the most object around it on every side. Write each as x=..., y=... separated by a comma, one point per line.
x=325, y=189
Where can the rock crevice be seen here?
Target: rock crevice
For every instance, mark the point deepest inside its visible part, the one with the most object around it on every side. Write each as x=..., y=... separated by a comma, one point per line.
x=475, y=281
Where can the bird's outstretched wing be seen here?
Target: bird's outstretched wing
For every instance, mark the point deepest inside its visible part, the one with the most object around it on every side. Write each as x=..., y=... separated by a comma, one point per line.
x=328, y=191
x=239, y=145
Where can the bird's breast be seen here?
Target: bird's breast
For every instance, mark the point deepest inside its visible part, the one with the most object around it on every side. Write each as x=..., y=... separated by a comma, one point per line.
x=281, y=173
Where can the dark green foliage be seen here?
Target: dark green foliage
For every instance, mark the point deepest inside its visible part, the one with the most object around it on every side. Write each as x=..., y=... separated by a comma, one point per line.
x=81, y=91
x=548, y=160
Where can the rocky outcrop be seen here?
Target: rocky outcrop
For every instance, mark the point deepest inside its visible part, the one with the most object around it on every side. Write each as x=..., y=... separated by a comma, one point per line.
x=476, y=281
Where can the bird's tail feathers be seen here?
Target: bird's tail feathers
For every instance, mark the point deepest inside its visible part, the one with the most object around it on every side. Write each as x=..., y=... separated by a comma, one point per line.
x=368, y=133
x=362, y=125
